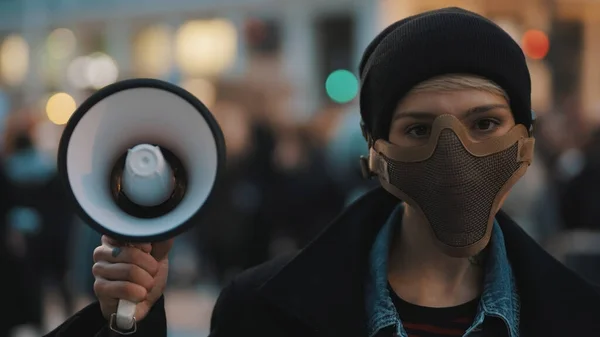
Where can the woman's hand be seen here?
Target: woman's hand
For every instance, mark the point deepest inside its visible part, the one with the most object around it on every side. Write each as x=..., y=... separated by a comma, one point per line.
x=137, y=273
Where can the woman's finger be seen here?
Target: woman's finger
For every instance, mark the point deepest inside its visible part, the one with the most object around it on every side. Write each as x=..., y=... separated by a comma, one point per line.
x=123, y=272
x=146, y=247
x=128, y=255
x=122, y=290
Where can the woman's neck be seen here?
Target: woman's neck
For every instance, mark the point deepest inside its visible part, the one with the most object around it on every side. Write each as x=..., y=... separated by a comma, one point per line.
x=421, y=274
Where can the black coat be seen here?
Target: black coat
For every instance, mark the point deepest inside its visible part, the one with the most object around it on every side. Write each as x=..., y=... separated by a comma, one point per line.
x=320, y=291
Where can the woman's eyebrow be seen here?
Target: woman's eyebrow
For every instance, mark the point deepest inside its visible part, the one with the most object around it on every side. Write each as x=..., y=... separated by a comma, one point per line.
x=414, y=114
x=430, y=115
x=485, y=108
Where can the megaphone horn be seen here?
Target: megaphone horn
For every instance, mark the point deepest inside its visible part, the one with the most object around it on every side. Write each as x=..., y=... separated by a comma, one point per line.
x=139, y=159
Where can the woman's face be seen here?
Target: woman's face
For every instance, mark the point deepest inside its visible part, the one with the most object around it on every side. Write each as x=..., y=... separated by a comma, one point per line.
x=484, y=114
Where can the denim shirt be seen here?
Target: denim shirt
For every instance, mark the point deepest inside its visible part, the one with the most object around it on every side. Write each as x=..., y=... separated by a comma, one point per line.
x=499, y=299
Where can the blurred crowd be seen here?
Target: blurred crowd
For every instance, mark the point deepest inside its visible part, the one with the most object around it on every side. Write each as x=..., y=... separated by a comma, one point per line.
x=285, y=181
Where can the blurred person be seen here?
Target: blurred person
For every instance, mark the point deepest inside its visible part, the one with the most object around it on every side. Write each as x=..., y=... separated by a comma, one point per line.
x=575, y=164
x=234, y=240
x=17, y=237
x=561, y=134
x=321, y=128
x=533, y=203
x=345, y=145
x=302, y=198
x=84, y=241
x=448, y=127
x=579, y=198
x=13, y=262
x=578, y=206
x=39, y=219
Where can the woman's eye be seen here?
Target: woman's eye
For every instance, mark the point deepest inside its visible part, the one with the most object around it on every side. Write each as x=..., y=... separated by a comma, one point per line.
x=486, y=124
x=418, y=131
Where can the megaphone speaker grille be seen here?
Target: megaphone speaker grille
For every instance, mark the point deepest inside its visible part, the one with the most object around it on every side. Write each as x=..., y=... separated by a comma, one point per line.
x=121, y=116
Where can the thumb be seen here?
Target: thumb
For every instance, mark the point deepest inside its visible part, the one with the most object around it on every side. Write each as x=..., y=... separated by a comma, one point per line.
x=161, y=249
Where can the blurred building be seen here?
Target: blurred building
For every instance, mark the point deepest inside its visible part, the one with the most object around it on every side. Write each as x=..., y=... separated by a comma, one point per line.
x=74, y=46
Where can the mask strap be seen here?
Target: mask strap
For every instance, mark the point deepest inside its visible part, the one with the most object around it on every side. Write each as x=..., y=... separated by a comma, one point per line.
x=374, y=165
x=532, y=125
x=525, y=153
x=366, y=134
x=366, y=161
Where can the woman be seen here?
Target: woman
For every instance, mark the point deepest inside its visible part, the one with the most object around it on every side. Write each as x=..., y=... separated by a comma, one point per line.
x=445, y=103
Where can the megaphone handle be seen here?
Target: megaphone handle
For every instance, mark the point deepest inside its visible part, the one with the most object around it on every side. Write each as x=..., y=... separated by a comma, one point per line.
x=126, y=314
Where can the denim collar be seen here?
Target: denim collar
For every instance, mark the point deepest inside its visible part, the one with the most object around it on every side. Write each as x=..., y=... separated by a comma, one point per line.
x=500, y=298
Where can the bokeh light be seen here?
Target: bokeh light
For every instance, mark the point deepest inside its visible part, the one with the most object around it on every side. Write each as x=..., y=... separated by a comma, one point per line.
x=14, y=60
x=60, y=107
x=96, y=71
x=76, y=72
x=152, y=52
x=61, y=43
x=341, y=86
x=206, y=47
x=102, y=71
x=535, y=44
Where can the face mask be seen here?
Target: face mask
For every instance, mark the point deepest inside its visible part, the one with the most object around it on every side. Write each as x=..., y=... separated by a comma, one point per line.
x=455, y=183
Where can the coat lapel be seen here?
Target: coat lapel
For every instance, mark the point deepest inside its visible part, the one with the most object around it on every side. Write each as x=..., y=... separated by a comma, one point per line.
x=328, y=291
x=554, y=300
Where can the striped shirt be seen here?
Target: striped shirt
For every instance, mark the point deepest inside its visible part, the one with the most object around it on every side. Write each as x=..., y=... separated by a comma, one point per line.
x=435, y=322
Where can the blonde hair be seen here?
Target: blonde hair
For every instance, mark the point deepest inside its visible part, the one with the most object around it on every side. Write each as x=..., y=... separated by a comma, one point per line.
x=457, y=82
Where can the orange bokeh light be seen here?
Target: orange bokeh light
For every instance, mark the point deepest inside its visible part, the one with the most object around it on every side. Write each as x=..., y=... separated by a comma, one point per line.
x=535, y=44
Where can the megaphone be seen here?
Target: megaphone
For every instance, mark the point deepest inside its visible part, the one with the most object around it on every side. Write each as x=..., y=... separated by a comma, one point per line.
x=139, y=159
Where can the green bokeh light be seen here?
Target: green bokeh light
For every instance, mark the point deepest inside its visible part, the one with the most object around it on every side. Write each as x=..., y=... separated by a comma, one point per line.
x=341, y=86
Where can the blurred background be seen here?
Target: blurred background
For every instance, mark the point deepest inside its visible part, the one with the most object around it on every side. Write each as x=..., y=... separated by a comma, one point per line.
x=280, y=77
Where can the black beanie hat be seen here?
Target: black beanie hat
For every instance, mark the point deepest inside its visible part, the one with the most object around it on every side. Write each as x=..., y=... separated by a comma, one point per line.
x=443, y=41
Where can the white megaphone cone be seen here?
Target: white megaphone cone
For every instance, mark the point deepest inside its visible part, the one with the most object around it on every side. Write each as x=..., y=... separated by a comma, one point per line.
x=129, y=190
x=147, y=181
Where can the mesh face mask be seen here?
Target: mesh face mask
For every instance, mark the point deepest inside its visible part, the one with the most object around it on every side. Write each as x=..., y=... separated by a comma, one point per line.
x=455, y=183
